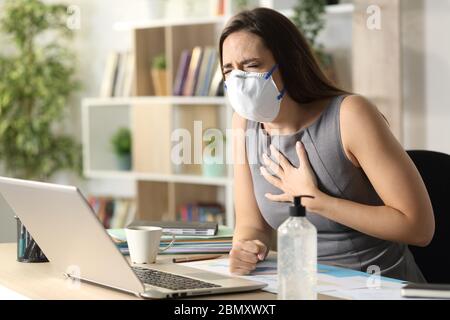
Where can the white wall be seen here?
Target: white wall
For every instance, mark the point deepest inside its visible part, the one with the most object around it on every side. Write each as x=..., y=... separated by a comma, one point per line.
x=437, y=75
x=427, y=75
x=337, y=39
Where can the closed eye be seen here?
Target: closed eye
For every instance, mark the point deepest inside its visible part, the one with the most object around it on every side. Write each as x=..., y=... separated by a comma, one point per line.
x=253, y=66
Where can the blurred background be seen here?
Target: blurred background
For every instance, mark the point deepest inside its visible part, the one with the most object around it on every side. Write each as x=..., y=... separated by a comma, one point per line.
x=91, y=91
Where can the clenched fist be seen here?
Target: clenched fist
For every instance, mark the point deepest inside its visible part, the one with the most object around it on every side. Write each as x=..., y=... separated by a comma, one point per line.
x=245, y=255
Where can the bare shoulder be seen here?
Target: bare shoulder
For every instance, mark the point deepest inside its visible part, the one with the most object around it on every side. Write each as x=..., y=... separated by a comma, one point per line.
x=359, y=116
x=356, y=107
x=361, y=123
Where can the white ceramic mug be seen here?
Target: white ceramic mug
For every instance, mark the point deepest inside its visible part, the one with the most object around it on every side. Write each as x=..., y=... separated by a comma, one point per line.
x=143, y=243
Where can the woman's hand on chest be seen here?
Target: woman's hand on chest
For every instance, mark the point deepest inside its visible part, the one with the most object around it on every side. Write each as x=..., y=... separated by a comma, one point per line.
x=289, y=179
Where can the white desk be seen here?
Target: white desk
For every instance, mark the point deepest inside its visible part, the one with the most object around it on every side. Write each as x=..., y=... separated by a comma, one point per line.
x=41, y=281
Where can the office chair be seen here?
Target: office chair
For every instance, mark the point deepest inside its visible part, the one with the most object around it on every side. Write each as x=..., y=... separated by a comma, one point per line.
x=434, y=260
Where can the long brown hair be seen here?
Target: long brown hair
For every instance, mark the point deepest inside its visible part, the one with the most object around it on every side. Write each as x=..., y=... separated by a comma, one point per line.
x=302, y=77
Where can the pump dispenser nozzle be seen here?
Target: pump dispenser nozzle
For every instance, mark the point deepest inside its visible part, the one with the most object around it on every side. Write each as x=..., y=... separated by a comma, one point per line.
x=297, y=210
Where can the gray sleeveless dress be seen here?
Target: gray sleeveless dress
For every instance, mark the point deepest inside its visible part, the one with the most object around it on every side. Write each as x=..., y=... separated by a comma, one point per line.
x=338, y=177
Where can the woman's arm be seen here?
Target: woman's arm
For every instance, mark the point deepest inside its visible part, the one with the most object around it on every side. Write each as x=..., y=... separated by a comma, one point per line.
x=252, y=234
x=250, y=224
x=407, y=214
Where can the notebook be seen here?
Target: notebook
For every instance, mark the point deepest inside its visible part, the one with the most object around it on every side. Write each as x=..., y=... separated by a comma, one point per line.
x=219, y=243
x=181, y=227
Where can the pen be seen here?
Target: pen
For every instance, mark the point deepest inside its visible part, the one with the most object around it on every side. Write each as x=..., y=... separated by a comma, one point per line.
x=21, y=241
x=26, y=238
x=196, y=258
x=29, y=249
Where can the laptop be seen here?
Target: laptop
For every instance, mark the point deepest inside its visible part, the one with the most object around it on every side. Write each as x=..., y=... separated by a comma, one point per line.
x=68, y=231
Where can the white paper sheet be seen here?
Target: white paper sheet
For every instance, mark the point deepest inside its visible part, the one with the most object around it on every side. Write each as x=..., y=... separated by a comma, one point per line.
x=353, y=287
x=265, y=272
x=8, y=294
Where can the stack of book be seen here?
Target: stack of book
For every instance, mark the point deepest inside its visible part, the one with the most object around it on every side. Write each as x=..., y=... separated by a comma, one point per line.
x=181, y=227
x=113, y=213
x=118, y=75
x=199, y=73
x=202, y=212
x=219, y=243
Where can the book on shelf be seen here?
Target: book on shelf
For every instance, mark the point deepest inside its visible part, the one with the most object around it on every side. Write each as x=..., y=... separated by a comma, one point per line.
x=216, y=88
x=107, y=86
x=113, y=213
x=202, y=212
x=182, y=71
x=192, y=75
x=198, y=73
x=207, y=67
x=127, y=90
x=118, y=75
x=220, y=7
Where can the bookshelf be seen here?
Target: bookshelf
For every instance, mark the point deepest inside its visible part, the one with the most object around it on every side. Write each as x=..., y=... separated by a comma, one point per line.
x=161, y=187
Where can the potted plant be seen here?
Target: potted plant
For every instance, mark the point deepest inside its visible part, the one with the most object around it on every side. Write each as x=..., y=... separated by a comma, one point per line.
x=121, y=143
x=36, y=81
x=213, y=164
x=309, y=17
x=159, y=75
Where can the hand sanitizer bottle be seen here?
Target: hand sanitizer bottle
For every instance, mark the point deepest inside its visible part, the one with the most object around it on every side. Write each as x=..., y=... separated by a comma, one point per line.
x=297, y=256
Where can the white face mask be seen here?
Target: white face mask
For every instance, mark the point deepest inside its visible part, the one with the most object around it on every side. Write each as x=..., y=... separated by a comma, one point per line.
x=253, y=95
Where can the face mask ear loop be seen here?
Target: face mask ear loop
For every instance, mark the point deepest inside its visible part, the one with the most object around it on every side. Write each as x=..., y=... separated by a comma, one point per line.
x=269, y=74
x=281, y=94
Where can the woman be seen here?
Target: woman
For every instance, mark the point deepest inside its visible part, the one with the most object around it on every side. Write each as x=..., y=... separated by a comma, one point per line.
x=311, y=138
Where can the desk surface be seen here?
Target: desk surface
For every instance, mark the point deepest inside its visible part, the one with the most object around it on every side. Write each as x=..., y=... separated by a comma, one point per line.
x=41, y=281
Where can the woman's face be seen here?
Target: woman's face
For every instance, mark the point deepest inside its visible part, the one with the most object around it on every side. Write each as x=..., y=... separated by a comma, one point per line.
x=245, y=51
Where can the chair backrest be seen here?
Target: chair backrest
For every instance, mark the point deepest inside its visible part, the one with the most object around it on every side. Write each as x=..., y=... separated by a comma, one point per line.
x=434, y=260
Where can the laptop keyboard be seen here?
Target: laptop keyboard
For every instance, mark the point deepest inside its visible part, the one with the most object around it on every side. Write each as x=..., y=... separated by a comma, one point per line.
x=169, y=280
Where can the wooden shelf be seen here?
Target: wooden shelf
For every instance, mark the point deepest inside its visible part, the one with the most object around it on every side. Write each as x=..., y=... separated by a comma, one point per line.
x=175, y=178
x=162, y=23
